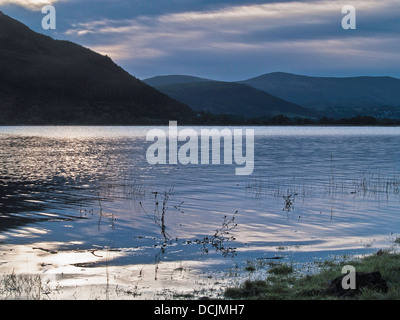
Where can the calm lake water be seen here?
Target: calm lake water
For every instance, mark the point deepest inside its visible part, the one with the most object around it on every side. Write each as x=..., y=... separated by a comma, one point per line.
x=82, y=206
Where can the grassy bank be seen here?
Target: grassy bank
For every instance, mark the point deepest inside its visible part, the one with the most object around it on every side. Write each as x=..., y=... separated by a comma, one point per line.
x=283, y=283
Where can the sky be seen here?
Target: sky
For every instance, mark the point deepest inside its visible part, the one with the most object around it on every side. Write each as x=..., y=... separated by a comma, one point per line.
x=227, y=40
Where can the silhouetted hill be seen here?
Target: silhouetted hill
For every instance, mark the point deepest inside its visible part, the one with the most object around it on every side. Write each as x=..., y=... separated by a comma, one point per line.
x=334, y=96
x=47, y=81
x=231, y=98
x=172, y=79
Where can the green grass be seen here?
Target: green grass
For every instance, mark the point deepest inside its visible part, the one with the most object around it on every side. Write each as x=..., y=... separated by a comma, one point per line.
x=250, y=268
x=284, y=284
x=281, y=269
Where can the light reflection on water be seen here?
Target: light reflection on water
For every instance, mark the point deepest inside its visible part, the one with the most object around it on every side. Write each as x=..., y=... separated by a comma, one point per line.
x=87, y=194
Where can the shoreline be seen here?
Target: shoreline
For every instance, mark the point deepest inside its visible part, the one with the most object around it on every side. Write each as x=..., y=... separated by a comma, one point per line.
x=256, y=279
x=381, y=271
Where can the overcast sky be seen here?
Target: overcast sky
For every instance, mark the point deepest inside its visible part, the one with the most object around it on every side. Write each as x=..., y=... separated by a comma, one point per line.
x=228, y=40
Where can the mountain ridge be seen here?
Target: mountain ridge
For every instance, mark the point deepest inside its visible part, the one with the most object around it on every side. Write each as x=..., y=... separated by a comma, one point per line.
x=173, y=79
x=320, y=93
x=230, y=98
x=48, y=81
x=337, y=97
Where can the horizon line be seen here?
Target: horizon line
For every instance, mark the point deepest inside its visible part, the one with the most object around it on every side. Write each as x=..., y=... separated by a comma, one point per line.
x=268, y=73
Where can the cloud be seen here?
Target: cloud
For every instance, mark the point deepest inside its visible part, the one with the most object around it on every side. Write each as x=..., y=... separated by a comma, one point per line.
x=126, y=52
x=277, y=13
x=280, y=30
x=29, y=4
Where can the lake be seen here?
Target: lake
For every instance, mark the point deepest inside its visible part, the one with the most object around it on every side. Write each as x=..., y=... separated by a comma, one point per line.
x=83, y=208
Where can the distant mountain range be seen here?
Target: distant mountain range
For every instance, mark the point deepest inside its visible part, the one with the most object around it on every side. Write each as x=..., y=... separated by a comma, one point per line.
x=351, y=96
x=231, y=98
x=46, y=81
x=159, y=81
x=309, y=96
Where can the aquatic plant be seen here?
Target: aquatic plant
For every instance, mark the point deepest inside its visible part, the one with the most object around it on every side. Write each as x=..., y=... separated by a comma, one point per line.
x=289, y=201
x=221, y=236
